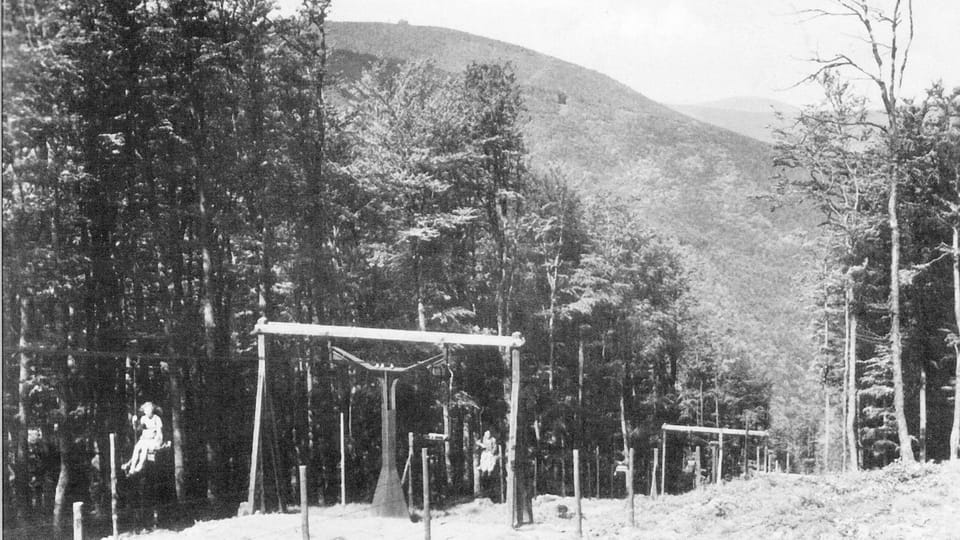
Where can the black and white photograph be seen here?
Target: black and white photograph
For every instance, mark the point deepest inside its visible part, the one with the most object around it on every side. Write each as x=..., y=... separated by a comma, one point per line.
x=480, y=269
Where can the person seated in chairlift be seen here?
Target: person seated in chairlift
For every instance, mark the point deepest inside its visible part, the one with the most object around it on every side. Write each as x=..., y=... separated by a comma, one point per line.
x=151, y=438
x=489, y=453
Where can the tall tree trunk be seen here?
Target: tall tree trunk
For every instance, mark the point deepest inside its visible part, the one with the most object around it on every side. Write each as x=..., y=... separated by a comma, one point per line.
x=896, y=345
x=64, y=446
x=211, y=382
x=923, y=413
x=845, y=387
x=467, y=447
x=172, y=302
x=176, y=424
x=23, y=411
x=580, y=361
x=826, y=391
x=851, y=426
x=700, y=406
x=551, y=340
x=826, y=428
x=624, y=432
x=551, y=322
x=955, y=430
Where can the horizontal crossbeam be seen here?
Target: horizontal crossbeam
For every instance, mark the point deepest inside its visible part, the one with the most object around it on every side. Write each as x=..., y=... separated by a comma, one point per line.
x=724, y=431
x=384, y=334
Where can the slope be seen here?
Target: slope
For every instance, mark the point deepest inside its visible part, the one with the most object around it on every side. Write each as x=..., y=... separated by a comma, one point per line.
x=900, y=501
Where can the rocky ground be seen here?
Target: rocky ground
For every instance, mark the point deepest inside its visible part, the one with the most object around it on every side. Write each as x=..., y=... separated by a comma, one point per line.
x=921, y=501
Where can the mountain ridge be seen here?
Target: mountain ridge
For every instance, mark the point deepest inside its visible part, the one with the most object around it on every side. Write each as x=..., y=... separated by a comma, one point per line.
x=750, y=116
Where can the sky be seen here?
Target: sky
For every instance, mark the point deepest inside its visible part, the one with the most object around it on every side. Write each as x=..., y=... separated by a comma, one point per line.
x=683, y=51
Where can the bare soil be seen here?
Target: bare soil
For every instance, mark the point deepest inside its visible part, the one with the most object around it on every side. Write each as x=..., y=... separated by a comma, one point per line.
x=921, y=501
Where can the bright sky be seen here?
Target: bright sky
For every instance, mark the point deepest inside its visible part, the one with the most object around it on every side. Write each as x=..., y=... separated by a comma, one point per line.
x=681, y=51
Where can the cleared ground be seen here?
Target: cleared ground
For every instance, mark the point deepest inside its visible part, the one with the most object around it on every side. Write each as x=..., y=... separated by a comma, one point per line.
x=922, y=501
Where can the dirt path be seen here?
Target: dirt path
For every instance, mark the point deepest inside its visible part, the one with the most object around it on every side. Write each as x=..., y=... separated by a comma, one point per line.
x=921, y=502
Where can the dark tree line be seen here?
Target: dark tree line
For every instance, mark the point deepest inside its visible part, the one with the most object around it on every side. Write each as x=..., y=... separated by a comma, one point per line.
x=175, y=170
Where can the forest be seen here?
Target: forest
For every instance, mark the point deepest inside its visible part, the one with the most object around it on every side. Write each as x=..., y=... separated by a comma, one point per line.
x=175, y=170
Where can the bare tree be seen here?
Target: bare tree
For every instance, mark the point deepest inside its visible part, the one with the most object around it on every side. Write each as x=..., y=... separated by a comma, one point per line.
x=884, y=30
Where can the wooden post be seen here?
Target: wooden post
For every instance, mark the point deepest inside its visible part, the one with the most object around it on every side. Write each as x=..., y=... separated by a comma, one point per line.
x=343, y=463
x=758, y=458
x=501, y=474
x=663, y=463
x=425, y=460
x=304, y=504
x=613, y=480
x=713, y=464
x=536, y=472
x=630, y=486
x=744, y=453
x=720, y=460
x=576, y=491
x=696, y=464
x=512, y=442
x=597, y=454
x=653, y=473
x=788, y=463
x=477, y=480
x=257, y=419
x=113, y=485
x=78, y=520
x=410, y=463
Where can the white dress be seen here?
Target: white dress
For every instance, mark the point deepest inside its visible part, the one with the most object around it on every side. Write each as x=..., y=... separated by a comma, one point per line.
x=488, y=457
x=152, y=435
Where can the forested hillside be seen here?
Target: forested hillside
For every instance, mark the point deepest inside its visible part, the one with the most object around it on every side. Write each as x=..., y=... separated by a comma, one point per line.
x=175, y=171
x=706, y=190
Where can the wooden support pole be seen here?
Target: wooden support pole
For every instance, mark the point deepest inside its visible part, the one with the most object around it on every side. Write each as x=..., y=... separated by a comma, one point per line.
x=78, y=520
x=477, y=481
x=758, y=458
x=425, y=460
x=113, y=486
x=696, y=463
x=502, y=472
x=788, y=463
x=512, y=442
x=597, y=463
x=410, y=465
x=653, y=473
x=720, y=460
x=713, y=464
x=257, y=420
x=304, y=504
x=663, y=464
x=343, y=462
x=576, y=491
x=745, y=455
x=630, y=457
